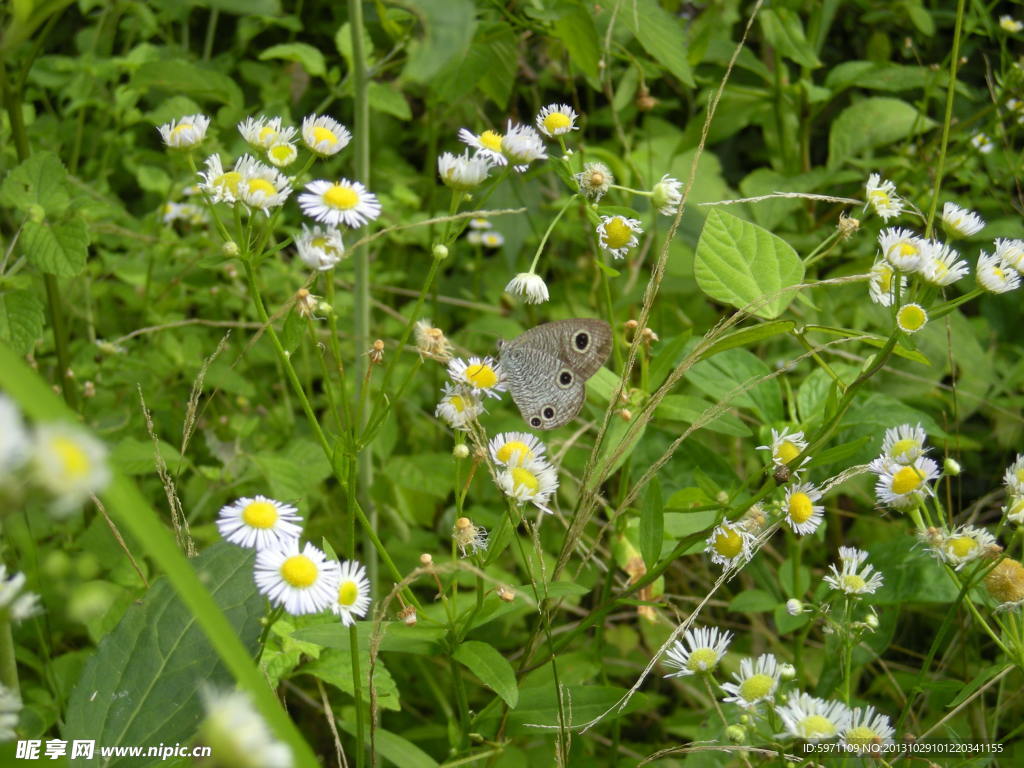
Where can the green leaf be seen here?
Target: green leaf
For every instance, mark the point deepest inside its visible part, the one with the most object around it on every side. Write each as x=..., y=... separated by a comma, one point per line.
x=242, y=7
x=661, y=35
x=878, y=76
x=784, y=30
x=748, y=336
x=390, y=101
x=40, y=180
x=335, y=667
x=741, y=264
x=679, y=525
x=730, y=376
x=493, y=669
x=872, y=123
x=311, y=59
x=142, y=685
x=448, y=29
x=689, y=409
x=652, y=523
x=21, y=319
x=397, y=637
x=397, y=749
x=180, y=77
x=575, y=28
x=135, y=457
x=56, y=247
x=753, y=601
x=287, y=478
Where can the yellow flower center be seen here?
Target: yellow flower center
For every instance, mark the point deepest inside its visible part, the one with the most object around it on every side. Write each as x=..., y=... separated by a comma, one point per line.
x=885, y=279
x=907, y=448
x=617, y=233
x=73, y=459
x=229, y=180
x=787, y=451
x=260, y=514
x=342, y=198
x=861, y=735
x=458, y=403
x=266, y=135
x=481, y=376
x=282, y=153
x=912, y=317
x=702, y=659
x=961, y=546
x=879, y=197
x=801, y=508
x=347, y=593
x=299, y=571
x=490, y=140
x=998, y=273
x=728, y=543
x=515, y=449
x=261, y=186
x=939, y=268
x=181, y=128
x=853, y=583
x=906, y=480
x=756, y=687
x=525, y=478
x=323, y=135
x=1020, y=475
x=903, y=248
x=816, y=727
x=556, y=122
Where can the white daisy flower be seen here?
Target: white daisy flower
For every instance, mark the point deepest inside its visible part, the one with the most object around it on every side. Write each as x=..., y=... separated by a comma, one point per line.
x=850, y=578
x=556, y=120
x=1011, y=252
x=881, y=195
x=901, y=248
x=618, y=234
x=15, y=443
x=785, y=447
x=324, y=136
x=264, y=132
x=756, y=681
x=10, y=707
x=16, y=603
x=515, y=449
x=961, y=546
x=482, y=376
x=666, y=195
x=994, y=275
x=1013, y=478
x=263, y=187
x=486, y=144
x=341, y=202
x=303, y=582
x=69, y=463
x=352, y=600
x=458, y=406
x=904, y=444
x=521, y=145
x=1009, y=24
x=492, y=239
x=222, y=186
x=903, y=485
x=532, y=481
x=431, y=342
x=462, y=172
x=808, y=717
x=941, y=265
x=1014, y=509
x=960, y=222
x=699, y=651
x=185, y=132
x=480, y=223
x=237, y=734
x=865, y=731
x=594, y=180
x=881, y=285
x=981, y=142
x=187, y=212
x=530, y=286
x=730, y=545
x=259, y=523
x=475, y=237
x=320, y=247
x=911, y=318
x=802, y=514
x=282, y=154
x=469, y=538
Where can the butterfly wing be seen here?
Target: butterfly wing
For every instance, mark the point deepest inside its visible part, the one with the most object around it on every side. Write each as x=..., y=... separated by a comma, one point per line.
x=547, y=392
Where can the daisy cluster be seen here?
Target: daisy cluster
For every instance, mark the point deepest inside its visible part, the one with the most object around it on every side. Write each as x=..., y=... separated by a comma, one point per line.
x=301, y=579
x=756, y=689
x=256, y=183
x=930, y=263
x=64, y=461
x=903, y=471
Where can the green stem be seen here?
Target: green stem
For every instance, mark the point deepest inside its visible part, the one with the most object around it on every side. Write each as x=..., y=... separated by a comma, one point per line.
x=357, y=695
x=8, y=663
x=547, y=233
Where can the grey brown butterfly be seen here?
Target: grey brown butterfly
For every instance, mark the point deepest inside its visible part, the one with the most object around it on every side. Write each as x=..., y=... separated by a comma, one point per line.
x=547, y=367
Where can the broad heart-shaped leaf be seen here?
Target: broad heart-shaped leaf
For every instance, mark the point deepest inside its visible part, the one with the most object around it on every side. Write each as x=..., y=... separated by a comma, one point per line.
x=56, y=247
x=491, y=667
x=21, y=319
x=40, y=180
x=873, y=123
x=741, y=264
x=142, y=685
x=448, y=29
